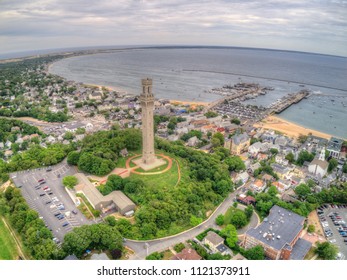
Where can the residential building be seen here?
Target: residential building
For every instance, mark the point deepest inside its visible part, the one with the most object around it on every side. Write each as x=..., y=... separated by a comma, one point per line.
x=187, y=254
x=193, y=141
x=279, y=235
x=246, y=200
x=239, y=144
x=334, y=147
x=215, y=242
x=280, y=170
x=243, y=177
x=254, y=149
x=258, y=185
x=95, y=95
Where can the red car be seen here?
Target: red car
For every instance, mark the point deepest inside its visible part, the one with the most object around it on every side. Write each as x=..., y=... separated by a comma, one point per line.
x=41, y=180
x=45, y=188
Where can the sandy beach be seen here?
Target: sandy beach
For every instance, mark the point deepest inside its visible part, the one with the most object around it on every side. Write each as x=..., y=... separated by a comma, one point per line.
x=191, y=103
x=288, y=128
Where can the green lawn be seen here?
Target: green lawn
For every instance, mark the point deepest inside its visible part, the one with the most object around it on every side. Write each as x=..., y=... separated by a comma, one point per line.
x=8, y=249
x=167, y=179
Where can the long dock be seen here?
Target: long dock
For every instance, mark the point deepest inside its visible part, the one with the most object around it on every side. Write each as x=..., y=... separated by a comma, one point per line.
x=289, y=100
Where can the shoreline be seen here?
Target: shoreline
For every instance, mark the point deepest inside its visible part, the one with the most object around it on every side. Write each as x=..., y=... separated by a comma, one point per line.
x=191, y=103
x=289, y=128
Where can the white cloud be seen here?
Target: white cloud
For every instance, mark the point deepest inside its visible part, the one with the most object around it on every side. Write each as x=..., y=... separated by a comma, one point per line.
x=40, y=24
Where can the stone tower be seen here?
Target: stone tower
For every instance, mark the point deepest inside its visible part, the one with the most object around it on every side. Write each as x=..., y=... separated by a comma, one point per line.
x=147, y=106
x=148, y=160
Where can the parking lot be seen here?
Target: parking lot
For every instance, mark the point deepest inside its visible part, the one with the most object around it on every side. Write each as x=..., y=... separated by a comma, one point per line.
x=44, y=192
x=334, y=222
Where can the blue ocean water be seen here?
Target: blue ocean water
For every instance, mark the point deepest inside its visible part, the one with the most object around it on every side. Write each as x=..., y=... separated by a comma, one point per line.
x=188, y=74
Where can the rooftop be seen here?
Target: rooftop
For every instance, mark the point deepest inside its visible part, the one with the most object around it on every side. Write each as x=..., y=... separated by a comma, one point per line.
x=241, y=138
x=214, y=238
x=95, y=197
x=300, y=249
x=335, y=144
x=279, y=228
x=187, y=254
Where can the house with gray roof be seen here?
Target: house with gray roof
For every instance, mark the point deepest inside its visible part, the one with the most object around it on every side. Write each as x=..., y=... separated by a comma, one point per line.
x=334, y=147
x=115, y=200
x=279, y=235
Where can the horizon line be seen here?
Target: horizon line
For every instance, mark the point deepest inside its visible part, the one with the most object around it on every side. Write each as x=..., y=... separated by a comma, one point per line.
x=38, y=52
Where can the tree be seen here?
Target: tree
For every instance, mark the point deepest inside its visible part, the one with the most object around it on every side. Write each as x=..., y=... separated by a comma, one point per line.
x=194, y=221
x=95, y=236
x=115, y=182
x=332, y=164
x=327, y=251
x=235, y=121
x=238, y=218
x=344, y=169
x=272, y=191
x=304, y=156
x=155, y=256
x=80, y=130
x=70, y=181
x=211, y=114
x=273, y=151
x=302, y=138
x=303, y=191
x=311, y=228
x=179, y=247
x=290, y=157
x=73, y=158
x=68, y=135
x=220, y=219
x=255, y=253
x=249, y=212
x=215, y=142
x=222, y=187
x=220, y=137
x=235, y=163
x=230, y=235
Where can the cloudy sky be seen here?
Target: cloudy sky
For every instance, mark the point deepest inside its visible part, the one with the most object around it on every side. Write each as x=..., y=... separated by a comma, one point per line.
x=312, y=26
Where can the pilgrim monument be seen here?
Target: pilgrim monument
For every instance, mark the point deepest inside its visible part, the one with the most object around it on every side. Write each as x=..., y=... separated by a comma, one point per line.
x=148, y=160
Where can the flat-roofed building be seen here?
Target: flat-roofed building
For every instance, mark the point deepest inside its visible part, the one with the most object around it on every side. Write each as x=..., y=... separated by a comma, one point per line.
x=279, y=235
x=334, y=147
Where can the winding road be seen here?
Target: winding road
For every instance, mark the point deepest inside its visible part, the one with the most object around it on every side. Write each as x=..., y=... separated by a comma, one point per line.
x=143, y=248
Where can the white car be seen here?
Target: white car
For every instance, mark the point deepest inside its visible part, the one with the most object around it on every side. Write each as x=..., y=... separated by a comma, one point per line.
x=332, y=241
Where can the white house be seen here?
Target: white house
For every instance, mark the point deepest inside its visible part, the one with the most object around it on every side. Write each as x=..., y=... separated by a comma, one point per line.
x=319, y=166
x=254, y=149
x=193, y=141
x=242, y=177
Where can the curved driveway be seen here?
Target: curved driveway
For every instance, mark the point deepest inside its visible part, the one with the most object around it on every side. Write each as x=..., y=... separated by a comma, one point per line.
x=143, y=248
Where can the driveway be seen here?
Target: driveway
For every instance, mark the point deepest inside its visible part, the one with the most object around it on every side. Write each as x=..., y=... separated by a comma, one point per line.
x=143, y=248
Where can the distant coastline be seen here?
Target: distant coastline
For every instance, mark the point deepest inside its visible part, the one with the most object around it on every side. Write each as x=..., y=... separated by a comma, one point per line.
x=170, y=88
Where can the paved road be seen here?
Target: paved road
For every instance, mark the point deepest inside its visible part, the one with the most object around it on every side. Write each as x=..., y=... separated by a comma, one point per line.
x=143, y=248
x=28, y=179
